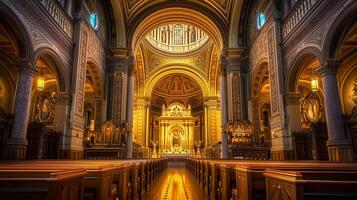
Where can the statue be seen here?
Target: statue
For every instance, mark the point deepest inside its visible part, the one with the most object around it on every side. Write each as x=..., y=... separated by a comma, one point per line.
x=154, y=145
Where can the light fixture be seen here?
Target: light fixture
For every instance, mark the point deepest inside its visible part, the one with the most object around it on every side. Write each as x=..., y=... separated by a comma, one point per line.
x=314, y=84
x=40, y=84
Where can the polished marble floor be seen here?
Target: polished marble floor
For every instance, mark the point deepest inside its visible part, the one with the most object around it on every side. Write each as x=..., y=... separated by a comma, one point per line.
x=176, y=183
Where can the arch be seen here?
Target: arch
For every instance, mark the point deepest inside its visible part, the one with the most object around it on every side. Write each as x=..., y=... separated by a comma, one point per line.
x=154, y=78
x=94, y=72
x=22, y=35
x=60, y=70
x=297, y=67
x=256, y=76
x=120, y=28
x=139, y=27
x=235, y=23
x=338, y=30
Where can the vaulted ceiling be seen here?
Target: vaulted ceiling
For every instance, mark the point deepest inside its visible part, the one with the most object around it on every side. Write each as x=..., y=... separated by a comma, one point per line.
x=132, y=7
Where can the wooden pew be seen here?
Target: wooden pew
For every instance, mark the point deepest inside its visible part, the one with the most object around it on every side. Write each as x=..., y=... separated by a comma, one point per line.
x=104, y=179
x=249, y=180
x=317, y=185
x=41, y=184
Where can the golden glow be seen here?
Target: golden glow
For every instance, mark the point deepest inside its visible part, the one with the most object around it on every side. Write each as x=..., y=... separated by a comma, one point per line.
x=40, y=83
x=176, y=183
x=177, y=38
x=314, y=84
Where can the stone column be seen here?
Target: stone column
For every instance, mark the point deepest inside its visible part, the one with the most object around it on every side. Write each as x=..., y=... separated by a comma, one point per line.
x=339, y=146
x=147, y=123
x=224, y=135
x=62, y=109
x=129, y=115
x=15, y=147
x=293, y=112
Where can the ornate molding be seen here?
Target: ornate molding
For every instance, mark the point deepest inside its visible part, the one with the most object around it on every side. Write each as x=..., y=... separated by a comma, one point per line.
x=328, y=68
x=292, y=99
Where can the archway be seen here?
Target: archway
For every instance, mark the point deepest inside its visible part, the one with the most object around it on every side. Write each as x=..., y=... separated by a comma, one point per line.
x=260, y=97
x=176, y=101
x=306, y=112
x=16, y=70
x=346, y=76
x=176, y=41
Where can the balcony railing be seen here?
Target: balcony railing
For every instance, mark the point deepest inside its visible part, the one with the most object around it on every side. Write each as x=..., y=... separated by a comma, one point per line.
x=56, y=10
x=299, y=11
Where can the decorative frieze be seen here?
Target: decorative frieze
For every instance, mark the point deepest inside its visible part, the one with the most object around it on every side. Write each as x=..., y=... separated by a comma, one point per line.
x=56, y=10
x=301, y=9
x=81, y=75
x=273, y=76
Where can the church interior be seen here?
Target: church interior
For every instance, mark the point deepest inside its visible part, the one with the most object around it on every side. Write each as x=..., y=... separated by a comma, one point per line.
x=178, y=99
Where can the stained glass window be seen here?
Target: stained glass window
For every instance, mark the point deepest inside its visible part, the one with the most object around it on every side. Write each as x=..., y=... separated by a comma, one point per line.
x=178, y=34
x=260, y=20
x=93, y=19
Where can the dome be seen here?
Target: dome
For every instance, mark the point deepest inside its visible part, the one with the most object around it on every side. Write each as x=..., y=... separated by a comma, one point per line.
x=177, y=38
x=177, y=86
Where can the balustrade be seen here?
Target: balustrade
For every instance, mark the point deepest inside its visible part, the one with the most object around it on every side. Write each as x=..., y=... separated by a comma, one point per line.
x=56, y=10
x=299, y=11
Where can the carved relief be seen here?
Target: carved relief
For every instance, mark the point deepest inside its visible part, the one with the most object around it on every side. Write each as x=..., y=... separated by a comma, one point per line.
x=45, y=108
x=273, y=76
x=311, y=108
x=117, y=97
x=81, y=75
x=236, y=97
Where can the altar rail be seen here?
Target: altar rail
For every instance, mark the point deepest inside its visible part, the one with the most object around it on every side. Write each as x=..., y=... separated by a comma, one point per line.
x=78, y=179
x=246, y=180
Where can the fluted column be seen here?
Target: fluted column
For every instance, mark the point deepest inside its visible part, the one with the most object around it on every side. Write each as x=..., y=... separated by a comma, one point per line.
x=15, y=148
x=129, y=117
x=224, y=135
x=339, y=147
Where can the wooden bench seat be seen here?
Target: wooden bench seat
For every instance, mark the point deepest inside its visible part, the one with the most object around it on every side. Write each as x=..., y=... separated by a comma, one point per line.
x=41, y=184
x=317, y=185
x=245, y=179
x=105, y=179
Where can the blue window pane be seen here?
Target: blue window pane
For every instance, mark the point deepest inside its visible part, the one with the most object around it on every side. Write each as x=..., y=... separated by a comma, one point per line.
x=260, y=20
x=93, y=19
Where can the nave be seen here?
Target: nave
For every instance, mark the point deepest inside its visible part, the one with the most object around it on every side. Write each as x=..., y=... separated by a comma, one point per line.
x=176, y=183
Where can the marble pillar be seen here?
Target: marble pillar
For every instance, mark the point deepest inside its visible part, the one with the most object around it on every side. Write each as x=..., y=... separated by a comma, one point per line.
x=15, y=147
x=224, y=134
x=339, y=146
x=129, y=116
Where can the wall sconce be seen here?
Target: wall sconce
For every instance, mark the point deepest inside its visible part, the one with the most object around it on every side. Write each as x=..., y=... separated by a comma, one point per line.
x=314, y=84
x=40, y=84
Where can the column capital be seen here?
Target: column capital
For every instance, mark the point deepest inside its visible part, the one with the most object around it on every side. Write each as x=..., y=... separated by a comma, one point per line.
x=292, y=99
x=232, y=58
x=25, y=67
x=120, y=59
x=62, y=99
x=328, y=68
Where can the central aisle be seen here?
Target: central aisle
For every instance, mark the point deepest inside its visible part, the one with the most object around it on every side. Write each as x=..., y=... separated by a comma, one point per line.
x=176, y=183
